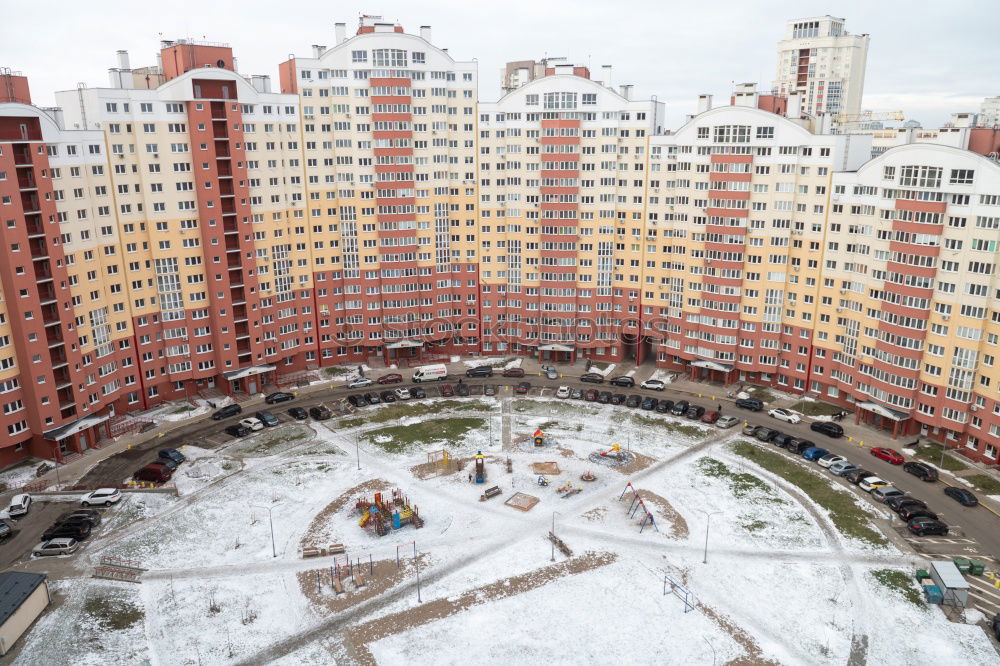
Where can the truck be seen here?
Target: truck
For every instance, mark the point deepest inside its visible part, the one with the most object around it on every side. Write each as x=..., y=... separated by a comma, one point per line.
x=429, y=373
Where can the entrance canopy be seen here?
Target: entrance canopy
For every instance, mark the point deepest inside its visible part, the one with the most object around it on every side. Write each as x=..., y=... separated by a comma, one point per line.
x=882, y=410
x=404, y=343
x=73, y=428
x=712, y=365
x=556, y=347
x=248, y=372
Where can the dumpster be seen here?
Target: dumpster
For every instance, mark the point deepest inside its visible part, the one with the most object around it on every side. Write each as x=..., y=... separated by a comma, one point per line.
x=933, y=594
x=922, y=573
x=962, y=564
x=976, y=567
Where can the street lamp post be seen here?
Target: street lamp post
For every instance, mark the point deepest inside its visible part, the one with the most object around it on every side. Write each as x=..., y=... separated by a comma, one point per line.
x=357, y=449
x=712, y=647
x=708, y=523
x=274, y=552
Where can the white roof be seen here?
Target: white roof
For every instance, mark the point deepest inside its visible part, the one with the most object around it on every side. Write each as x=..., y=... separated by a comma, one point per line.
x=950, y=575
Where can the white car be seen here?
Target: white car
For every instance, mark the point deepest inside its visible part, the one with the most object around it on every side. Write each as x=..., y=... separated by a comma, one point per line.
x=784, y=415
x=562, y=392
x=56, y=547
x=829, y=459
x=870, y=483
x=252, y=423
x=653, y=385
x=19, y=505
x=359, y=382
x=402, y=394
x=105, y=496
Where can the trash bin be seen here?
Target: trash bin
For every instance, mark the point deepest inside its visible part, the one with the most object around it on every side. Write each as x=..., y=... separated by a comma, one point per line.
x=933, y=594
x=963, y=564
x=922, y=573
x=976, y=567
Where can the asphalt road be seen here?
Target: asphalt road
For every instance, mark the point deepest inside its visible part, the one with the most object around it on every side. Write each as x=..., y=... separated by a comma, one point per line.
x=28, y=530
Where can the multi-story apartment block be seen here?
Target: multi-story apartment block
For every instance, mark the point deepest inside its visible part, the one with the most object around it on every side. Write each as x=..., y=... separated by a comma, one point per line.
x=562, y=183
x=188, y=229
x=823, y=62
x=989, y=112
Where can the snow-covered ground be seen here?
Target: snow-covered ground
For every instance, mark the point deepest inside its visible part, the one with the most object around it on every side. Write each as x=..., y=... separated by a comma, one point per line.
x=778, y=584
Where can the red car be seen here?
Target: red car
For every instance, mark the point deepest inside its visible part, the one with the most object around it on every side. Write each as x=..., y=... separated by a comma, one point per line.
x=590, y=395
x=447, y=391
x=522, y=388
x=888, y=455
x=711, y=417
x=513, y=372
x=390, y=379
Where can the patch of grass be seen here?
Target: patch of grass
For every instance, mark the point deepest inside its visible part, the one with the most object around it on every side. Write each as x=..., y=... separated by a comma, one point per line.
x=337, y=371
x=402, y=410
x=754, y=525
x=599, y=365
x=671, y=427
x=814, y=408
x=894, y=579
x=113, y=614
x=741, y=483
x=184, y=409
x=931, y=452
x=846, y=515
x=400, y=438
x=759, y=393
x=548, y=425
x=984, y=482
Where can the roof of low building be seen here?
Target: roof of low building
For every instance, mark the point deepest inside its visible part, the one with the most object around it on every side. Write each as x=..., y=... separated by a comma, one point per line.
x=15, y=587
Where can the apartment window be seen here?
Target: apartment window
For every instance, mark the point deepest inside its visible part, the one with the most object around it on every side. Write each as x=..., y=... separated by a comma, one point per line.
x=359, y=56
x=961, y=177
x=765, y=132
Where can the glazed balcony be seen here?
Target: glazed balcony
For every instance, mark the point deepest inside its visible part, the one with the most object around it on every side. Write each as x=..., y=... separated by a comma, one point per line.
x=38, y=248
x=30, y=202
x=22, y=155
x=222, y=150
x=225, y=170
x=33, y=225
x=26, y=179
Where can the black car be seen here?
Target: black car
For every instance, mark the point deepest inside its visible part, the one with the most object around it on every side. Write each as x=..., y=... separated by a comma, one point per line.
x=921, y=471
x=237, y=430
x=370, y=398
x=649, y=403
x=680, y=407
x=781, y=439
x=300, y=414
x=752, y=404
x=5, y=531
x=961, y=495
x=592, y=377
x=827, y=428
x=267, y=418
x=522, y=388
x=280, y=396
x=922, y=526
x=855, y=476
x=418, y=393
x=462, y=389
x=387, y=396
x=357, y=400
x=664, y=406
x=695, y=412
x=604, y=397
x=905, y=502
x=227, y=411
x=623, y=380
x=996, y=626
x=172, y=454
x=320, y=413
x=78, y=530
x=764, y=434
x=80, y=516
x=480, y=371
x=617, y=398
x=910, y=511
x=797, y=446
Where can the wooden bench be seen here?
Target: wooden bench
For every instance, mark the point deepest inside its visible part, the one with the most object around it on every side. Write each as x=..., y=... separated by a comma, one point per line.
x=338, y=587
x=310, y=552
x=491, y=492
x=335, y=549
x=359, y=579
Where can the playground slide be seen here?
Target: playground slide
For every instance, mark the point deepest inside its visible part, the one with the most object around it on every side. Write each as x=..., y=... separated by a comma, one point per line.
x=364, y=520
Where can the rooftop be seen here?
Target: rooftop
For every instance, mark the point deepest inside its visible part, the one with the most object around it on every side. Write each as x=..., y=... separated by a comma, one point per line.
x=15, y=587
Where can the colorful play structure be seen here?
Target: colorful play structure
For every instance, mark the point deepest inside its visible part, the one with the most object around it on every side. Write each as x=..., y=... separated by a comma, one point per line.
x=480, y=467
x=636, y=506
x=614, y=456
x=381, y=516
x=539, y=437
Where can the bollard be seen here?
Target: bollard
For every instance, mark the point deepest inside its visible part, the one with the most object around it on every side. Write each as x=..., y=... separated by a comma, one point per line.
x=861, y=443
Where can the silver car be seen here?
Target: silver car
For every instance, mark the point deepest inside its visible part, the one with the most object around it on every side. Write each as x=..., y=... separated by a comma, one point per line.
x=56, y=547
x=726, y=422
x=550, y=372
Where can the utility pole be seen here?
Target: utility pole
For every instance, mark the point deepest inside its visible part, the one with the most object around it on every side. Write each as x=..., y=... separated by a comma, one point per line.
x=708, y=523
x=416, y=561
x=274, y=552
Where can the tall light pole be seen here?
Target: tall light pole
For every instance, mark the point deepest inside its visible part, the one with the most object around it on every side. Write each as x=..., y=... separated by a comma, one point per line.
x=274, y=552
x=357, y=449
x=708, y=523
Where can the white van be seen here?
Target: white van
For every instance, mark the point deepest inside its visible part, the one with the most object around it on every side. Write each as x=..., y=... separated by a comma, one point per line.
x=430, y=373
x=19, y=505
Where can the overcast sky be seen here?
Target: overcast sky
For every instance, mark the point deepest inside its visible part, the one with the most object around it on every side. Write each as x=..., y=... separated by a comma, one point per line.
x=927, y=58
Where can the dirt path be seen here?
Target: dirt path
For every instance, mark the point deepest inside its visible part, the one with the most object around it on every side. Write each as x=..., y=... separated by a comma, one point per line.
x=754, y=655
x=313, y=534
x=667, y=512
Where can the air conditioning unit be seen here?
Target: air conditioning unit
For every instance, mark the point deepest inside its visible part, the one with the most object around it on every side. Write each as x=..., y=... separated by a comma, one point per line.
x=838, y=309
x=946, y=317
x=843, y=291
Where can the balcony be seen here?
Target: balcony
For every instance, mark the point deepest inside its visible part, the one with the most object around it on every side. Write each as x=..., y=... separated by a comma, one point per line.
x=26, y=179
x=222, y=150
x=226, y=188
x=46, y=293
x=33, y=225
x=225, y=169
x=238, y=296
x=219, y=129
x=53, y=337
x=64, y=385
x=30, y=202
x=38, y=248
x=58, y=358
x=228, y=206
x=240, y=314
x=50, y=315
x=232, y=243
x=43, y=272
x=22, y=155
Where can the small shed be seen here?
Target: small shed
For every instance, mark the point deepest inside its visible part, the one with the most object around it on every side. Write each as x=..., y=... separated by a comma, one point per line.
x=954, y=587
x=23, y=597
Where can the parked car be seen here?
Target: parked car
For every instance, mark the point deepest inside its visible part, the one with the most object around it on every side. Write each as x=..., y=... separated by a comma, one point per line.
x=6, y=531
x=856, y=475
x=617, y=398
x=695, y=412
x=664, y=406
x=996, y=626
x=320, y=413
x=590, y=395
x=252, y=423
x=402, y=394
x=653, y=385
x=781, y=439
x=884, y=493
x=359, y=382
x=871, y=483
x=418, y=392
x=749, y=429
x=372, y=398
x=900, y=501
x=549, y=372
x=267, y=418
x=827, y=428
x=56, y=547
x=172, y=454
x=592, y=377
x=923, y=526
x=797, y=446
x=752, y=404
x=19, y=505
x=649, y=404
x=105, y=496
x=814, y=453
x=226, y=412
x=829, y=459
x=300, y=414
x=562, y=392
x=784, y=415
x=280, y=396
x=726, y=422
x=490, y=389
x=462, y=389
x=921, y=471
x=622, y=380
x=447, y=391
x=604, y=397
x=522, y=388
x=633, y=401
x=480, y=371
x=680, y=407
x=888, y=455
x=576, y=394
x=711, y=417
x=237, y=430
x=169, y=464
x=391, y=378
x=841, y=467
x=764, y=434
x=387, y=396
x=961, y=495
x=429, y=373
x=513, y=372
x=78, y=531
x=909, y=511
x=91, y=516
x=153, y=473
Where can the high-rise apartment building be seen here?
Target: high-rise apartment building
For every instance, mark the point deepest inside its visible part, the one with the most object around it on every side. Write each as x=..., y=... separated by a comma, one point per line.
x=989, y=112
x=823, y=62
x=188, y=229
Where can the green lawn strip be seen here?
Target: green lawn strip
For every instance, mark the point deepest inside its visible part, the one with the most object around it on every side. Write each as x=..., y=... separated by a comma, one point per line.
x=671, y=427
x=931, y=452
x=402, y=410
x=759, y=393
x=902, y=582
x=846, y=515
x=743, y=484
x=448, y=431
x=337, y=371
x=984, y=482
x=111, y=613
x=814, y=408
